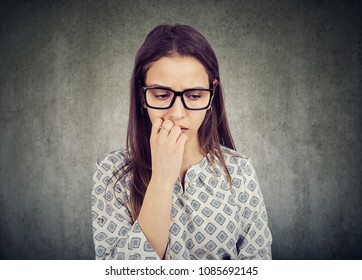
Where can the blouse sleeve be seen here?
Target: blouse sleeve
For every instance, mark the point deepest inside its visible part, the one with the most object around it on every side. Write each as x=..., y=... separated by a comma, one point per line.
x=115, y=234
x=256, y=239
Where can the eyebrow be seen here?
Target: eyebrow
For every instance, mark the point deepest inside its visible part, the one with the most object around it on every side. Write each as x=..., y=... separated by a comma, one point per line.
x=162, y=86
x=157, y=85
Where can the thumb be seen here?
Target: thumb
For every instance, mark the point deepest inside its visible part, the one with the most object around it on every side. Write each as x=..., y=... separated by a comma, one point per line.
x=181, y=141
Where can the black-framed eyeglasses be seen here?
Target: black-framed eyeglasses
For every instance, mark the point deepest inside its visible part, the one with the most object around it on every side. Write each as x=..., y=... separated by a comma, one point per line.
x=163, y=98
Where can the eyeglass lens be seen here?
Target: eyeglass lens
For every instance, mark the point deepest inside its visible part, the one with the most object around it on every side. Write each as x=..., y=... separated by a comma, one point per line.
x=162, y=98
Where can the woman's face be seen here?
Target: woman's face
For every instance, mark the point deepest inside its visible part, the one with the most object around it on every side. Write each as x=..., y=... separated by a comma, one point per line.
x=179, y=73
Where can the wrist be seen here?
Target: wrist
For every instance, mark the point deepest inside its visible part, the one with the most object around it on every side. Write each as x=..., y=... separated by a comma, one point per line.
x=161, y=184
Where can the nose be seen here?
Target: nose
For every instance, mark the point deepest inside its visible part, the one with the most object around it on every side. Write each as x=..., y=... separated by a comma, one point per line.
x=177, y=111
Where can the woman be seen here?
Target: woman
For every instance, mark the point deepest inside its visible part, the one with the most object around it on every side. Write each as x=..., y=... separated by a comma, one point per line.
x=179, y=190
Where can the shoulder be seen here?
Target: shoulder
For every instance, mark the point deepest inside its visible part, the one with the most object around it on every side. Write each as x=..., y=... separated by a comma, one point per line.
x=233, y=157
x=231, y=153
x=237, y=163
x=109, y=173
x=109, y=168
x=113, y=161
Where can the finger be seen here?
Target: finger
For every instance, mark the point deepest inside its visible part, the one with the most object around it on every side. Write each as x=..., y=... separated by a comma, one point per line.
x=166, y=127
x=168, y=124
x=156, y=126
x=182, y=139
x=175, y=133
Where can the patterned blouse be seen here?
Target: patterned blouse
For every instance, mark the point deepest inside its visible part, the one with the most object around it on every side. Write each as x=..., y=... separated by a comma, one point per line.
x=208, y=219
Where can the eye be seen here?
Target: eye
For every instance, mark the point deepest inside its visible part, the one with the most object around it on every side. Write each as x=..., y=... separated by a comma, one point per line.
x=161, y=94
x=194, y=94
x=194, y=97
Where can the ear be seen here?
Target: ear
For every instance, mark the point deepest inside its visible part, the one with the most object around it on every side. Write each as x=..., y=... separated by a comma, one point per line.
x=215, y=82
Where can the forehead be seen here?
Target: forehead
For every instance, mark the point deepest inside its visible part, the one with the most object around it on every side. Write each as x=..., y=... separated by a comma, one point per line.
x=177, y=72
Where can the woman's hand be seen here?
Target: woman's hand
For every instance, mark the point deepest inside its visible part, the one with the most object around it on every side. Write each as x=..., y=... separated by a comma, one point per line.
x=167, y=147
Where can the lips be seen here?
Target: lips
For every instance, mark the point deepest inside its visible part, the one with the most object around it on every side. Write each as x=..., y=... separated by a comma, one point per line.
x=183, y=128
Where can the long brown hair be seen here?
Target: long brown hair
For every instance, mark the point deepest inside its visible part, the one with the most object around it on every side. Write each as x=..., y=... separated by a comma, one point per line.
x=165, y=41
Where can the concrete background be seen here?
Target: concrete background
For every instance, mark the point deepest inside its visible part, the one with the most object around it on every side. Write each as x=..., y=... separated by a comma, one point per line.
x=292, y=74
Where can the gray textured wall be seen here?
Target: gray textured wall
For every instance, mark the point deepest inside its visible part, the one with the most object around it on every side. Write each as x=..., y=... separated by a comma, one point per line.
x=292, y=74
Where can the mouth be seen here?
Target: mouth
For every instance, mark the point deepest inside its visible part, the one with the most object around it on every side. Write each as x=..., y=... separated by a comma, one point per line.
x=183, y=129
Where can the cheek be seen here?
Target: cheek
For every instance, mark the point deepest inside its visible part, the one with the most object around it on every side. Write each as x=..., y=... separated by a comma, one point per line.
x=153, y=114
x=199, y=118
